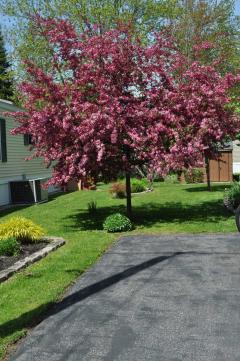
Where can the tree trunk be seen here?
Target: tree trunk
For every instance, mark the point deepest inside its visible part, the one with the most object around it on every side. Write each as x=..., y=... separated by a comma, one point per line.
x=128, y=192
x=208, y=174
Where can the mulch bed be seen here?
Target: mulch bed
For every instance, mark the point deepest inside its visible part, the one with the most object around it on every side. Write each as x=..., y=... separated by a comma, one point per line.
x=26, y=250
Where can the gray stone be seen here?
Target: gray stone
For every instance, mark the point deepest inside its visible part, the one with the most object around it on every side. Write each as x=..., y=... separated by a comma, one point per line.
x=149, y=298
x=23, y=263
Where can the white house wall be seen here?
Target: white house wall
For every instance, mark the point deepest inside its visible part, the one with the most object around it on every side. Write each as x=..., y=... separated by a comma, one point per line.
x=236, y=157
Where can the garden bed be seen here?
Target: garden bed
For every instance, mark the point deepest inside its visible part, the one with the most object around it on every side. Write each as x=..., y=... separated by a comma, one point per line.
x=29, y=254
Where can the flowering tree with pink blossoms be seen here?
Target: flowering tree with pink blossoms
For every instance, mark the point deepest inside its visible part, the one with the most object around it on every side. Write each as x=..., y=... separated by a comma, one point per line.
x=113, y=103
x=206, y=111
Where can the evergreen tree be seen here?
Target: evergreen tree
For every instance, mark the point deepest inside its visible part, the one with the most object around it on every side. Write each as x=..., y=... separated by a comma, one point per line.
x=6, y=84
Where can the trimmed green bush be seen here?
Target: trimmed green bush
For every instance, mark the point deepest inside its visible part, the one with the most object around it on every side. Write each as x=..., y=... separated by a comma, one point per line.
x=232, y=195
x=194, y=175
x=171, y=179
x=117, y=223
x=118, y=189
x=22, y=229
x=138, y=185
x=9, y=247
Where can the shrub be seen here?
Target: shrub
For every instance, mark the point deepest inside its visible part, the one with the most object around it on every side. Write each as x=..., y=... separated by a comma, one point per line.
x=232, y=195
x=117, y=223
x=171, y=178
x=22, y=229
x=236, y=177
x=9, y=247
x=195, y=175
x=118, y=190
x=138, y=185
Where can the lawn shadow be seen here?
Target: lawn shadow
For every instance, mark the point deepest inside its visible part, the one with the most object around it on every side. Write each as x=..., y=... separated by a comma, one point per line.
x=214, y=188
x=149, y=214
x=82, y=220
x=5, y=210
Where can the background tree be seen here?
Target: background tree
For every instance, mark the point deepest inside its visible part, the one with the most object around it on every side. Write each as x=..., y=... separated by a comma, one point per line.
x=210, y=22
x=112, y=102
x=213, y=25
x=207, y=111
x=6, y=84
x=189, y=21
x=26, y=38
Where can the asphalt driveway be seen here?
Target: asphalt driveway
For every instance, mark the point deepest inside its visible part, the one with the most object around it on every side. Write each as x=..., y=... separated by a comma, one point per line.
x=150, y=298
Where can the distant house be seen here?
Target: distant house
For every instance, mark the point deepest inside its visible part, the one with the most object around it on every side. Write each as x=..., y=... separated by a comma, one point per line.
x=20, y=180
x=236, y=156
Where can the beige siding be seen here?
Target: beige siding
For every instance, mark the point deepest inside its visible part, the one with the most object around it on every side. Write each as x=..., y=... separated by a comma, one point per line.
x=236, y=151
x=16, y=165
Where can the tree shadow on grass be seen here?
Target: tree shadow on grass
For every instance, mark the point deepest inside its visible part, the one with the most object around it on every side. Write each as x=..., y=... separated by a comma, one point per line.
x=214, y=188
x=5, y=210
x=150, y=214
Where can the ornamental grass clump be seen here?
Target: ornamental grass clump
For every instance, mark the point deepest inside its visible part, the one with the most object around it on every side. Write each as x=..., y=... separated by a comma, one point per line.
x=117, y=223
x=22, y=229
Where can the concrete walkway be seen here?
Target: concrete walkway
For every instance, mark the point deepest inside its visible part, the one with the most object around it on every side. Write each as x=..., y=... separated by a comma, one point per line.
x=150, y=298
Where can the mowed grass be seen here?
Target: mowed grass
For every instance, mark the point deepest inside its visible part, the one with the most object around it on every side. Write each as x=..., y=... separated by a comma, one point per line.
x=170, y=208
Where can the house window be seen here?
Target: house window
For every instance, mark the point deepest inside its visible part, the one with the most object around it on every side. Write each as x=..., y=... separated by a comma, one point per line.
x=28, y=139
x=3, y=141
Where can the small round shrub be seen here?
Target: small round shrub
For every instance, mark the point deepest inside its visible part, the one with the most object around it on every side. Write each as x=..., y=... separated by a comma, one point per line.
x=232, y=195
x=117, y=223
x=9, y=247
x=118, y=190
x=194, y=175
x=171, y=179
x=22, y=229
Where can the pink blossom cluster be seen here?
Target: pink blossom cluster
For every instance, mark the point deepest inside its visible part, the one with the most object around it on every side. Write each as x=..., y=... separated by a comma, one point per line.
x=112, y=102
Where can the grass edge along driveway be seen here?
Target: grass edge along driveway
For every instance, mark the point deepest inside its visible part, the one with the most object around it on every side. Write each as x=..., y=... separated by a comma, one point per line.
x=169, y=208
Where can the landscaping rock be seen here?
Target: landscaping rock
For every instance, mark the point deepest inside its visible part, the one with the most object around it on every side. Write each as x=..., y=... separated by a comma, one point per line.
x=55, y=243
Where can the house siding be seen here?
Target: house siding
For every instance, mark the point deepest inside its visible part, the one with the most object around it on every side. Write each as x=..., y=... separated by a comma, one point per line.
x=236, y=156
x=16, y=167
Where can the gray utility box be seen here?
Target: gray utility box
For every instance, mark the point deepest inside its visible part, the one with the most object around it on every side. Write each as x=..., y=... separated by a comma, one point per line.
x=28, y=191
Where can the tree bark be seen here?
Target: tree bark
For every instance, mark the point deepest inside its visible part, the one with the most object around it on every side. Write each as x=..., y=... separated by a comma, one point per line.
x=128, y=193
x=208, y=174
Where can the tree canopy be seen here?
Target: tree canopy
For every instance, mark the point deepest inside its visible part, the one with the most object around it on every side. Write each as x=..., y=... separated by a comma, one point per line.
x=6, y=85
x=112, y=102
x=189, y=21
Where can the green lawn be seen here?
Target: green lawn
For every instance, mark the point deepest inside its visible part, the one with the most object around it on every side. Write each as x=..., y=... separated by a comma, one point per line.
x=169, y=208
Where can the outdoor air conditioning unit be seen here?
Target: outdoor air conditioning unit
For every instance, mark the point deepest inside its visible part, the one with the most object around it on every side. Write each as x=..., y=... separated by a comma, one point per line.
x=28, y=191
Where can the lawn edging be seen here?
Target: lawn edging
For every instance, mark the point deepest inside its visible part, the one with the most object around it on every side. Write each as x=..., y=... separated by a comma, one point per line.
x=55, y=242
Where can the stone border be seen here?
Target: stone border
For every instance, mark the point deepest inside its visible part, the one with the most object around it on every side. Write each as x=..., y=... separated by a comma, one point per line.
x=55, y=242
x=146, y=191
